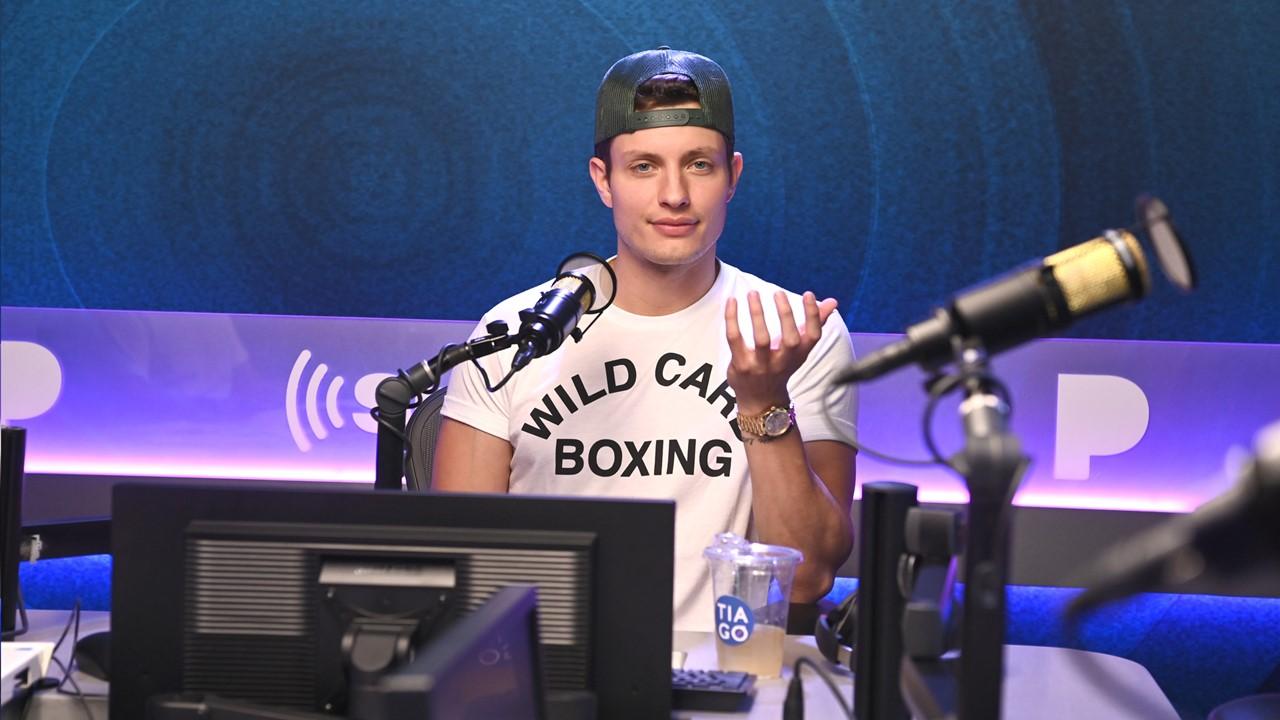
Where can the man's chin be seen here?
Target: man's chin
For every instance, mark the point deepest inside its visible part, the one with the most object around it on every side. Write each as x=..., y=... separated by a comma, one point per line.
x=676, y=260
x=669, y=254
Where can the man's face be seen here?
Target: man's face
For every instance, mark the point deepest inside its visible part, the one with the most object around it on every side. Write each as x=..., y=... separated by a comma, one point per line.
x=669, y=189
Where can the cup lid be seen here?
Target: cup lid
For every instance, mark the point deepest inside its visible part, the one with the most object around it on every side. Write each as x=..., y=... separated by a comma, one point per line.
x=730, y=547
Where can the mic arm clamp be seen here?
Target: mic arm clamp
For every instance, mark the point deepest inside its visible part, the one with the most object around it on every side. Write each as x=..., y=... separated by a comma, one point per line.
x=394, y=395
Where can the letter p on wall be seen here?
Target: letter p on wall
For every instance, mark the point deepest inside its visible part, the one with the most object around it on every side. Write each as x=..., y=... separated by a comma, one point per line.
x=1097, y=415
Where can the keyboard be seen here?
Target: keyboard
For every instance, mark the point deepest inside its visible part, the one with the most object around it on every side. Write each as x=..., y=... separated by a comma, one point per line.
x=711, y=690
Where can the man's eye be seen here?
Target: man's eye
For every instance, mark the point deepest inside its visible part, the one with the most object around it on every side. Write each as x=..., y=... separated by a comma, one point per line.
x=700, y=165
x=643, y=167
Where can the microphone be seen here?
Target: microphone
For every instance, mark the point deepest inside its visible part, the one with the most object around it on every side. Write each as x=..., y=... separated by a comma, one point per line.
x=1234, y=532
x=1027, y=303
x=1044, y=296
x=544, y=326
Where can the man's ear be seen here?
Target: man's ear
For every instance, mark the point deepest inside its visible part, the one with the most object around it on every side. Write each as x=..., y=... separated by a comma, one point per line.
x=600, y=177
x=735, y=171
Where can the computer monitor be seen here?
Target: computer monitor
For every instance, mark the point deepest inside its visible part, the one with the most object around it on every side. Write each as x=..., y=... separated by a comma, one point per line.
x=251, y=593
x=484, y=666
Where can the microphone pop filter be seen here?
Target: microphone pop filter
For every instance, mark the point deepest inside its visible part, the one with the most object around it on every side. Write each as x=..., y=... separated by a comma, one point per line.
x=598, y=272
x=1171, y=252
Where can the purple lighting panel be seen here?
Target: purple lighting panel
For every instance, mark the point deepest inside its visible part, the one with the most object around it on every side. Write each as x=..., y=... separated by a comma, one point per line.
x=1109, y=424
x=204, y=395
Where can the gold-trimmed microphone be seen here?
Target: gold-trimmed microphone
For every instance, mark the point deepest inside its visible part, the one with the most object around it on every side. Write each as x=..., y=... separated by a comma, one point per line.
x=1037, y=299
x=555, y=316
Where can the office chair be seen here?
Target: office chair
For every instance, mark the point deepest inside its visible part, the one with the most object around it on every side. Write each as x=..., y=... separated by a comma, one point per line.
x=420, y=447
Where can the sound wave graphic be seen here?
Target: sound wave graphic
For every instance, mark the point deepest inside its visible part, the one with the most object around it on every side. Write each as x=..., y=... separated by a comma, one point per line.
x=311, y=402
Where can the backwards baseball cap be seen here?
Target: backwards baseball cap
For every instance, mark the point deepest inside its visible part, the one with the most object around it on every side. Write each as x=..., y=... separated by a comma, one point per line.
x=616, y=100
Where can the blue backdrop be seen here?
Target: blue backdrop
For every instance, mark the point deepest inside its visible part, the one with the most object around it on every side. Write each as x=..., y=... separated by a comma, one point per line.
x=412, y=159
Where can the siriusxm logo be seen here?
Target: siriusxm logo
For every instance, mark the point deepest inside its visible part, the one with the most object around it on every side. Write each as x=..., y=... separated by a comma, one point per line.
x=30, y=380
x=1097, y=415
x=309, y=400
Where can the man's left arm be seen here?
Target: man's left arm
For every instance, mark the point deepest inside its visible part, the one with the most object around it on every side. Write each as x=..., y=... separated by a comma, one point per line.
x=801, y=490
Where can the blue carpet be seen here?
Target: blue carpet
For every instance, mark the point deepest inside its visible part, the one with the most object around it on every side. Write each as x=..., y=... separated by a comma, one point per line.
x=57, y=584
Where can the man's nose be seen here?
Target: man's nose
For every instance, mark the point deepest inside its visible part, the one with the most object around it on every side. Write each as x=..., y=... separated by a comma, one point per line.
x=674, y=192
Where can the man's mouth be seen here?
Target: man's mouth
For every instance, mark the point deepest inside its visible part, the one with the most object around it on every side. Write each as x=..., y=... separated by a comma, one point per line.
x=675, y=227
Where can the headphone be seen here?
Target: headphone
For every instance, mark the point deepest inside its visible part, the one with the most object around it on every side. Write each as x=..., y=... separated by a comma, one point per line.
x=836, y=631
x=932, y=539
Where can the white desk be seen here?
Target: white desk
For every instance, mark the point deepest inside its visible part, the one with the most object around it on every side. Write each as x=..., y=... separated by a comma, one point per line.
x=1042, y=683
x=46, y=626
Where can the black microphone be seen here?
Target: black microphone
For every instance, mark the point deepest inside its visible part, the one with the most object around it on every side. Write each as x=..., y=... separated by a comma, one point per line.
x=544, y=326
x=1233, y=533
x=1022, y=305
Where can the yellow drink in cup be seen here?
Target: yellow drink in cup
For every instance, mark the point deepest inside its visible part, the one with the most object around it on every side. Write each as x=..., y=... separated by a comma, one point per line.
x=752, y=585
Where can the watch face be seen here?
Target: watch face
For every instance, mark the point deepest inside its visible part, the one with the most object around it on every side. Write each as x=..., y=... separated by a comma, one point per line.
x=777, y=422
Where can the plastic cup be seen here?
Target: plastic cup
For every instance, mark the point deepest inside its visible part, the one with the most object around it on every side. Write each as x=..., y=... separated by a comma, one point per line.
x=752, y=586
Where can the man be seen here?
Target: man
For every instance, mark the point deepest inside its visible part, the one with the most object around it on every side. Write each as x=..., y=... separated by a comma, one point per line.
x=701, y=383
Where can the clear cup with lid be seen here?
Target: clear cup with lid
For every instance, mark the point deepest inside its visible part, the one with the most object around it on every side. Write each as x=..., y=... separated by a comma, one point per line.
x=751, y=583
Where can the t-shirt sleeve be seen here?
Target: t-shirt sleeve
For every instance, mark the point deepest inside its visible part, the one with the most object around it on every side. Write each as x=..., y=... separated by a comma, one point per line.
x=469, y=401
x=825, y=411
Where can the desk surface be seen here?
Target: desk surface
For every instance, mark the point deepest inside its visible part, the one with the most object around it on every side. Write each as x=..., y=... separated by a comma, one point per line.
x=1044, y=683
x=46, y=626
x=1040, y=682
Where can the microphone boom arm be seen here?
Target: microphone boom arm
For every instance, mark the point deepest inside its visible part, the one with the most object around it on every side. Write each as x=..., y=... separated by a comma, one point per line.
x=394, y=394
x=992, y=464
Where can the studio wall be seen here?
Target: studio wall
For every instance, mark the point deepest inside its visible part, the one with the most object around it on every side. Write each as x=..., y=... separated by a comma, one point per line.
x=426, y=159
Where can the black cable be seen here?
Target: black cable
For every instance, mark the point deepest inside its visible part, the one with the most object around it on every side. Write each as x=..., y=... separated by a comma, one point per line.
x=376, y=411
x=936, y=392
x=377, y=415
x=435, y=380
x=75, y=640
x=945, y=386
x=795, y=691
x=890, y=458
x=66, y=674
x=485, y=376
x=66, y=628
x=503, y=381
x=66, y=677
x=415, y=399
x=413, y=404
x=22, y=616
x=793, y=704
x=72, y=620
x=420, y=397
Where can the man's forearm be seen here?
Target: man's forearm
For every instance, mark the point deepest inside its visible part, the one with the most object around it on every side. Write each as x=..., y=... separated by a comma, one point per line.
x=801, y=492
x=793, y=506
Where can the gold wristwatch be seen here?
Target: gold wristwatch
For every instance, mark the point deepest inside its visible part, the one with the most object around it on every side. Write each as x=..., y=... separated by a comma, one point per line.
x=771, y=423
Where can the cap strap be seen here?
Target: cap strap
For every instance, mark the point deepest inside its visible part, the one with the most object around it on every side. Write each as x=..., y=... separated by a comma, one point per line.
x=666, y=117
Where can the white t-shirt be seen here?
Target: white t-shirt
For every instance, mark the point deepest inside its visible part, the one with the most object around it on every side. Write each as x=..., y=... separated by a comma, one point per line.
x=641, y=409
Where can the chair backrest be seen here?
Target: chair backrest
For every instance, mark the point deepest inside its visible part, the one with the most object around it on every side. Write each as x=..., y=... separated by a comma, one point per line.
x=420, y=447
